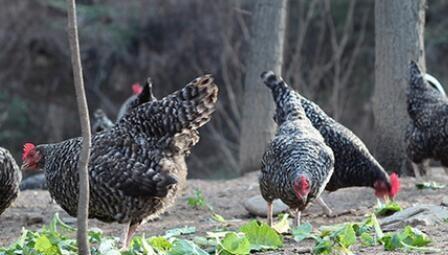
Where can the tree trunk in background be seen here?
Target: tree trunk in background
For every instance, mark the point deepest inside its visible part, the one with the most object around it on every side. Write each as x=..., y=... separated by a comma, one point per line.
x=399, y=27
x=83, y=201
x=266, y=53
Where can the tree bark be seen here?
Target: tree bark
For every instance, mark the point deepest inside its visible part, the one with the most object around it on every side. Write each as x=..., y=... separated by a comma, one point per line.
x=399, y=27
x=266, y=53
x=83, y=201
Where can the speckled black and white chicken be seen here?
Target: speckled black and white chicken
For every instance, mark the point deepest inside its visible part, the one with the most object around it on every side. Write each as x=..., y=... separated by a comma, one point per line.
x=354, y=165
x=297, y=163
x=136, y=167
x=141, y=95
x=427, y=132
x=10, y=177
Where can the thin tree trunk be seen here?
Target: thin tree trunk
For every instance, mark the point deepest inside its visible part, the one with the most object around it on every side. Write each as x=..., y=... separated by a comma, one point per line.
x=83, y=202
x=266, y=53
x=399, y=27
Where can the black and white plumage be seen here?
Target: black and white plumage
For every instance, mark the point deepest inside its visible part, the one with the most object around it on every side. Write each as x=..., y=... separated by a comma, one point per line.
x=100, y=121
x=297, y=163
x=354, y=165
x=140, y=96
x=10, y=177
x=427, y=132
x=136, y=167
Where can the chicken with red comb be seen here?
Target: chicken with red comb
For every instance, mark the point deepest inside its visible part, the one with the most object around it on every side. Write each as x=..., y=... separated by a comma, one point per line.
x=137, y=167
x=297, y=163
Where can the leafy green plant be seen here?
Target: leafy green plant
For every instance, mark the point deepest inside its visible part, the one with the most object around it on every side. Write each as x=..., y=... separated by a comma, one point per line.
x=234, y=243
x=387, y=209
x=429, y=185
x=282, y=225
x=261, y=236
x=198, y=200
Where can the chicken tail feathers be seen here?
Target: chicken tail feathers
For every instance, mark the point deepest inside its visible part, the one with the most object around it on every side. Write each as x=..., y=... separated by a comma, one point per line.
x=272, y=81
x=185, y=109
x=416, y=77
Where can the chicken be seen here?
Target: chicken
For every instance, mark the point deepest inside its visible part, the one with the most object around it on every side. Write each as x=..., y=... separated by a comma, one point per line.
x=100, y=121
x=136, y=167
x=10, y=177
x=297, y=163
x=426, y=134
x=141, y=95
x=354, y=165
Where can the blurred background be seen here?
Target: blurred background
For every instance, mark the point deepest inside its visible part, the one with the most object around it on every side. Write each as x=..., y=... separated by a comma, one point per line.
x=329, y=57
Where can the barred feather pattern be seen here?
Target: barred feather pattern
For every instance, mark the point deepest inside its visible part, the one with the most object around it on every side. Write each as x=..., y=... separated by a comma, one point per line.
x=10, y=177
x=134, y=101
x=100, y=121
x=297, y=150
x=136, y=167
x=354, y=164
x=427, y=132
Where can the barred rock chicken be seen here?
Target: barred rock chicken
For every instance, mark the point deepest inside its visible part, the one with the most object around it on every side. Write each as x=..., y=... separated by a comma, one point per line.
x=136, y=167
x=354, y=165
x=140, y=95
x=297, y=163
x=10, y=177
x=100, y=121
x=426, y=136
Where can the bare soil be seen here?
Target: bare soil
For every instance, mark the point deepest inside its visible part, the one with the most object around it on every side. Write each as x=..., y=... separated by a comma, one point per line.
x=33, y=209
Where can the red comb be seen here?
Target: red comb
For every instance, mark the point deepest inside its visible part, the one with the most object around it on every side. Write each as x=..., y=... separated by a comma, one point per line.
x=26, y=149
x=394, y=184
x=137, y=88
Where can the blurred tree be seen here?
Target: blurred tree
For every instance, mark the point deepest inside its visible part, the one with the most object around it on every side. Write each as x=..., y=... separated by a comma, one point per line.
x=266, y=53
x=399, y=27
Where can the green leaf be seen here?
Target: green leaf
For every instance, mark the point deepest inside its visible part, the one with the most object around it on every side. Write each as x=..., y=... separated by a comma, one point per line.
x=387, y=209
x=415, y=237
x=234, y=244
x=161, y=244
x=180, y=231
x=198, y=200
x=282, y=226
x=218, y=218
x=347, y=236
x=429, y=185
x=302, y=232
x=261, y=236
x=181, y=247
x=367, y=239
x=44, y=245
x=323, y=246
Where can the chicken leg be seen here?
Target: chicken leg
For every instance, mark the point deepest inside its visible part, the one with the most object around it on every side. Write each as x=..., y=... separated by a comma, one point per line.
x=296, y=221
x=325, y=207
x=269, y=216
x=128, y=233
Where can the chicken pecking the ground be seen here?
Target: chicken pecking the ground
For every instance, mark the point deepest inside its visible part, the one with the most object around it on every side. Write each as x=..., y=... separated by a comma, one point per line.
x=10, y=177
x=297, y=163
x=426, y=134
x=354, y=165
x=136, y=167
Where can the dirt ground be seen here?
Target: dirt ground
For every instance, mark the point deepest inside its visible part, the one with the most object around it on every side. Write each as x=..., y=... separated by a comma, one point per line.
x=33, y=209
